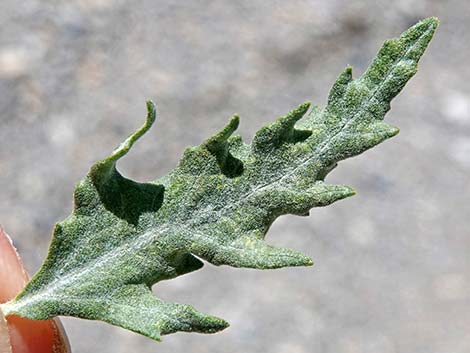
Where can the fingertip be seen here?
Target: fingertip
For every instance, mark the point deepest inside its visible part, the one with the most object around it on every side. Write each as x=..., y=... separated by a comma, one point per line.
x=17, y=334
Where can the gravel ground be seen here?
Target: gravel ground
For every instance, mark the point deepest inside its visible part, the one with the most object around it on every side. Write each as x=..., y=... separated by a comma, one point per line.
x=392, y=267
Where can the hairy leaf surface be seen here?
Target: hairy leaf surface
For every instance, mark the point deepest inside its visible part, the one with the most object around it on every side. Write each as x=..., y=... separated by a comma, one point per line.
x=216, y=205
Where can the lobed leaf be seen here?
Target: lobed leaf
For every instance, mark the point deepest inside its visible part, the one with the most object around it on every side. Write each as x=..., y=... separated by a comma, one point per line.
x=216, y=205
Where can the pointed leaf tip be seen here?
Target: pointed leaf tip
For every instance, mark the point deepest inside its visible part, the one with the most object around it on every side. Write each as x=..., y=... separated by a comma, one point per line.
x=221, y=137
x=151, y=112
x=251, y=252
x=422, y=32
x=305, y=105
x=293, y=116
x=302, y=109
x=125, y=146
x=287, y=122
x=234, y=123
x=347, y=191
x=282, y=130
x=393, y=131
x=429, y=22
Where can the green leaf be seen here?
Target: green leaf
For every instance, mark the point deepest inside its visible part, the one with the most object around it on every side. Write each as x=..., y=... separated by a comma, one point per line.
x=216, y=205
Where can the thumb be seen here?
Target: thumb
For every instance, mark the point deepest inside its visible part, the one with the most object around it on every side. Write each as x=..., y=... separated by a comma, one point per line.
x=20, y=335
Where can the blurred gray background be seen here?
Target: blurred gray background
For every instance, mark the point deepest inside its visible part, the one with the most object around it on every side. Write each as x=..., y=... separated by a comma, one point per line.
x=392, y=267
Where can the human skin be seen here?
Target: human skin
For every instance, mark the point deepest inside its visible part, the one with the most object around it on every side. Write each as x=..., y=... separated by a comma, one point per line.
x=19, y=335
